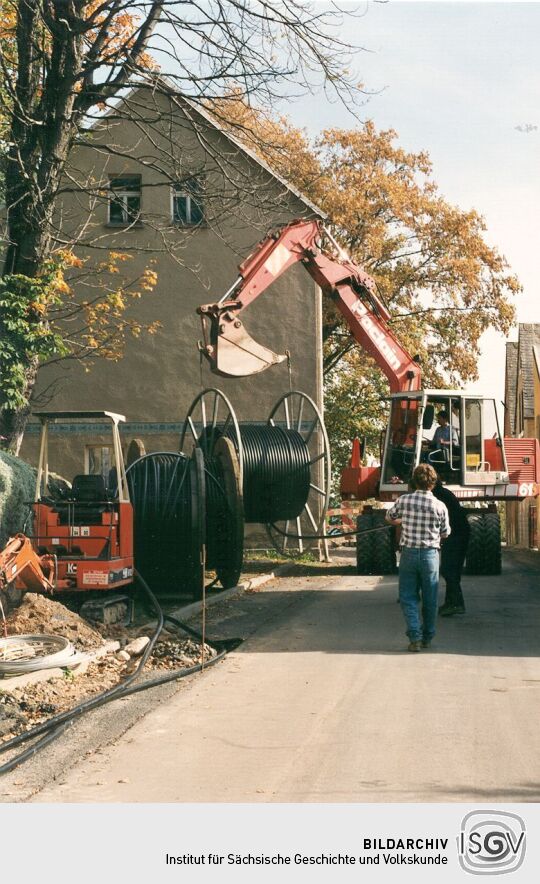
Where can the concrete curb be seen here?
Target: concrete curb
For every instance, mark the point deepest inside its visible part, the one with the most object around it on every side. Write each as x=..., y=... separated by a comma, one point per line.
x=195, y=607
x=8, y=685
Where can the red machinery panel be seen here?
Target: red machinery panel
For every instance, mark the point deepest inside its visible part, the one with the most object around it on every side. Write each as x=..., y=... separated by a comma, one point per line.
x=523, y=459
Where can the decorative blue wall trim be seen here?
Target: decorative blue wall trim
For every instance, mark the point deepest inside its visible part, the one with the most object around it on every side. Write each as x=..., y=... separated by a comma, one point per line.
x=96, y=429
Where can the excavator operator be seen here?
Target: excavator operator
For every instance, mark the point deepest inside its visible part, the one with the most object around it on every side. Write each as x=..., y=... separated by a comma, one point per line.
x=444, y=435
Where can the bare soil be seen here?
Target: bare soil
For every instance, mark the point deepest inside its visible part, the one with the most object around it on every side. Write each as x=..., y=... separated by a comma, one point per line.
x=39, y=614
x=25, y=707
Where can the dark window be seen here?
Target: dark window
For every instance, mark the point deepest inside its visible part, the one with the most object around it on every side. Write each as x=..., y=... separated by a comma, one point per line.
x=187, y=202
x=125, y=200
x=401, y=452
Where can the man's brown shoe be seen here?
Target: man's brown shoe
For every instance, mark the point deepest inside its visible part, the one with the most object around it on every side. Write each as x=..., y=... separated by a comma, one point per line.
x=415, y=646
x=426, y=643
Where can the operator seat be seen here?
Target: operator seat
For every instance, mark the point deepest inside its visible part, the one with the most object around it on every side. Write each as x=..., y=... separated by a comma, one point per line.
x=89, y=488
x=89, y=501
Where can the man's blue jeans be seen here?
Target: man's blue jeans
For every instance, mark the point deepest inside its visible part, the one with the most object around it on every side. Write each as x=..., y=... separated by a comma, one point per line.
x=419, y=577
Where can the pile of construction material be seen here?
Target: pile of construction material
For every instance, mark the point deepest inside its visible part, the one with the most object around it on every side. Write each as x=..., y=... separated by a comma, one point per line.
x=106, y=654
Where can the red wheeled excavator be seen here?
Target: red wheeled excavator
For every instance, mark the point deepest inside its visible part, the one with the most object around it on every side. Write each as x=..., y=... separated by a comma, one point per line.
x=477, y=464
x=81, y=539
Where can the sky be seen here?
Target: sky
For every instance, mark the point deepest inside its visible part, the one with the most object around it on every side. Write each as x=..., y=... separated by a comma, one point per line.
x=456, y=79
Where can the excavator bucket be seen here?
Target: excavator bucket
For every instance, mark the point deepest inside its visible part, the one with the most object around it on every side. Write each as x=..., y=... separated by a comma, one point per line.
x=233, y=353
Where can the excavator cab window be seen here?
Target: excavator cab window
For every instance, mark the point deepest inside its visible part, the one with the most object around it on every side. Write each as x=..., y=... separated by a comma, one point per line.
x=429, y=417
x=483, y=444
x=441, y=438
x=400, y=457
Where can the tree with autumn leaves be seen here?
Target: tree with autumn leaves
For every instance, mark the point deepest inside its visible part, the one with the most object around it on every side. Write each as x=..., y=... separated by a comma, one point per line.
x=63, y=65
x=444, y=285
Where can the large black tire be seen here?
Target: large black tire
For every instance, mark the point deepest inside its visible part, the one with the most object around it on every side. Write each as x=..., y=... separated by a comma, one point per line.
x=484, y=550
x=384, y=547
x=364, y=544
x=375, y=552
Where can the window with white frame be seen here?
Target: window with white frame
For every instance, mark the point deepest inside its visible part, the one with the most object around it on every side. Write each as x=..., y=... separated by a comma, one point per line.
x=125, y=200
x=187, y=202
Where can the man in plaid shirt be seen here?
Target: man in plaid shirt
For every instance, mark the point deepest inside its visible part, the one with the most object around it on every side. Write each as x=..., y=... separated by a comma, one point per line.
x=424, y=523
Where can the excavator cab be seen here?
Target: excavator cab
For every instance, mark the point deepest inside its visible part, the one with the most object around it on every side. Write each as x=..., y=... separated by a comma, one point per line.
x=87, y=529
x=458, y=434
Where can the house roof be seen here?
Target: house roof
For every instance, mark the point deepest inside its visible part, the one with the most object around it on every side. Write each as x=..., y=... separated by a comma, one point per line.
x=209, y=118
x=195, y=108
x=528, y=341
x=510, y=386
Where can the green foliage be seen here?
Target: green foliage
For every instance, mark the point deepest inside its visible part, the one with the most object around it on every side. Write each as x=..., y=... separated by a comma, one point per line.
x=17, y=489
x=271, y=557
x=25, y=330
x=17, y=486
x=354, y=407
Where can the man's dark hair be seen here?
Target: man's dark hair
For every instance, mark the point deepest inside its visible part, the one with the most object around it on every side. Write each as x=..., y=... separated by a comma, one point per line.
x=443, y=414
x=424, y=477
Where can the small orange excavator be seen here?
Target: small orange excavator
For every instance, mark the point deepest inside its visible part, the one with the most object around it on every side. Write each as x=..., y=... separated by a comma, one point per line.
x=82, y=539
x=476, y=463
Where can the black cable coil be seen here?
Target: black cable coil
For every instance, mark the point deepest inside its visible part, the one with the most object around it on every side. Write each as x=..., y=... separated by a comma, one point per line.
x=224, y=532
x=174, y=514
x=167, y=541
x=277, y=471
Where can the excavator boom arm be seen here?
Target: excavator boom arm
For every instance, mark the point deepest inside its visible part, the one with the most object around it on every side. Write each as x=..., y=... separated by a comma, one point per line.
x=233, y=353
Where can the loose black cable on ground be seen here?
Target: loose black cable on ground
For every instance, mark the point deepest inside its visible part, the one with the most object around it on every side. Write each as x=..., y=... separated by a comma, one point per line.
x=55, y=726
x=63, y=718
x=334, y=534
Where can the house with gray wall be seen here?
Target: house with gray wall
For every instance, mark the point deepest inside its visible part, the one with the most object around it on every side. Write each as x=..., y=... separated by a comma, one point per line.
x=161, y=181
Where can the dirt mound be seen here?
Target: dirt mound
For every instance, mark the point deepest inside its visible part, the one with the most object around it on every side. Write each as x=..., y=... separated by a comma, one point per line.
x=37, y=613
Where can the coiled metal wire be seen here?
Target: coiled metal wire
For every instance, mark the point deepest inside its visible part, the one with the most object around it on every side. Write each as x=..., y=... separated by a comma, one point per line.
x=29, y=653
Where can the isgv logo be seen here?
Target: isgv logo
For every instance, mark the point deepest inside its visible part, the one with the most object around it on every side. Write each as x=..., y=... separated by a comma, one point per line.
x=491, y=842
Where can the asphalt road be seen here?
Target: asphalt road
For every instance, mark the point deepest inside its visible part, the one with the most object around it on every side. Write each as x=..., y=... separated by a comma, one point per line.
x=322, y=703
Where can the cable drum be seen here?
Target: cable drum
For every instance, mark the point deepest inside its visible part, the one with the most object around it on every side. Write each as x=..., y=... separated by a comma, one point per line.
x=216, y=513
x=276, y=473
x=297, y=412
x=224, y=514
x=168, y=529
x=276, y=469
x=283, y=466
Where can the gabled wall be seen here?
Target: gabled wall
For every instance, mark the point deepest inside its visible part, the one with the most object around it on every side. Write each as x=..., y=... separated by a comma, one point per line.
x=158, y=376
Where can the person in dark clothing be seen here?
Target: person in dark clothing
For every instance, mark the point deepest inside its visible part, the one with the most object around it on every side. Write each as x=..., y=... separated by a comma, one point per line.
x=453, y=552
